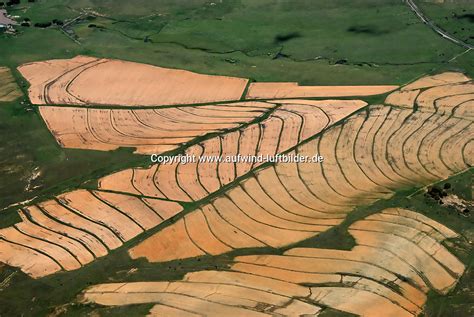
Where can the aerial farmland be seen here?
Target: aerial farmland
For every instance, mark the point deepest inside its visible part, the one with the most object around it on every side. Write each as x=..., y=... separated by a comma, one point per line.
x=236, y=158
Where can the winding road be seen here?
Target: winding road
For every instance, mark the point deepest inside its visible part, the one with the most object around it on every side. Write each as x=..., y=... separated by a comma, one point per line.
x=435, y=28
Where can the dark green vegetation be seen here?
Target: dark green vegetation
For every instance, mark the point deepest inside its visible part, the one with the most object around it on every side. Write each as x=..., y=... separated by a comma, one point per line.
x=456, y=17
x=33, y=164
x=311, y=42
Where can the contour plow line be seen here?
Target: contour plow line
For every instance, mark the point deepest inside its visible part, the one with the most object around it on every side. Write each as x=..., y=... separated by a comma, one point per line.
x=93, y=222
x=92, y=81
x=397, y=260
x=367, y=157
x=150, y=131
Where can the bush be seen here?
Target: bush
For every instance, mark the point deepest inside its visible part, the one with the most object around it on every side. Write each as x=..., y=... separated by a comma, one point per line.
x=43, y=25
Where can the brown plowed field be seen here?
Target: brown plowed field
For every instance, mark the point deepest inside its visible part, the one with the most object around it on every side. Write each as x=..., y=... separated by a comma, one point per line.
x=402, y=144
x=293, y=90
x=284, y=128
x=368, y=153
x=149, y=131
x=87, y=80
x=77, y=228
x=376, y=278
x=447, y=93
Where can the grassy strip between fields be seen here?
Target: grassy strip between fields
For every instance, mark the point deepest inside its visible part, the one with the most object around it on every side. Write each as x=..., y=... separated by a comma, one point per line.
x=58, y=292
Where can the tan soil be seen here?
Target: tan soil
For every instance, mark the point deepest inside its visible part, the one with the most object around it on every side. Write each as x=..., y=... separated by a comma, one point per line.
x=91, y=242
x=39, y=74
x=437, y=80
x=162, y=245
x=188, y=303
x=354, y=175
x=64, y=215
x=321, y=266
x=113, y=82
x=72, y=246
x=438, y=277
x=256, y=212
x=199, y=232
x=412, y=148
x=408, y=222
x=432, y=145
x=227, y=233
x=312, y=175
x=397, y=148
x=363, y=279
x=448, y=233
x=292, y=192
x=379, y=257
x=87, y=205
x=465, y=110
x=60, y=255
x=270, y=235
x=293, y=90
x=133, y=207
x=207, y=171
x=162, y=310
x=165, y=180
x=289, y=135
x=120, y=182
x=166, y=209
x=286, y=275
x=226, y=170
x=461, y=105
x=426, y=100
x=157, y=131
x=28, y=260
x=424, y=242
x=299, y=308
x=187, y=176
x=402, y=98
x=211, y=176
x=455, y=159
x=248, y=143
x=248, y=280
x=257, y=193
x=392, y=123
x=376, y=288
x=358, y=302
x=363, y=145
x=270, y=137
x=143, y=181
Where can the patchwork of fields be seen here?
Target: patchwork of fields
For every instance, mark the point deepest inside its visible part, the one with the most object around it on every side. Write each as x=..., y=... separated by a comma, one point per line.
x=168, y=212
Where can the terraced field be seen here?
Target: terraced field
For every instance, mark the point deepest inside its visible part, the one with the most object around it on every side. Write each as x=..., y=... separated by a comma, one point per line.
x=423, y=133
x=87, y=80
x=366, y=158
x=398, y=259
x=149, y=131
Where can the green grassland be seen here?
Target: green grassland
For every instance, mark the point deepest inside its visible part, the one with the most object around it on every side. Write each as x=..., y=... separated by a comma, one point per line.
x=311, y=42
x=456, y=17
